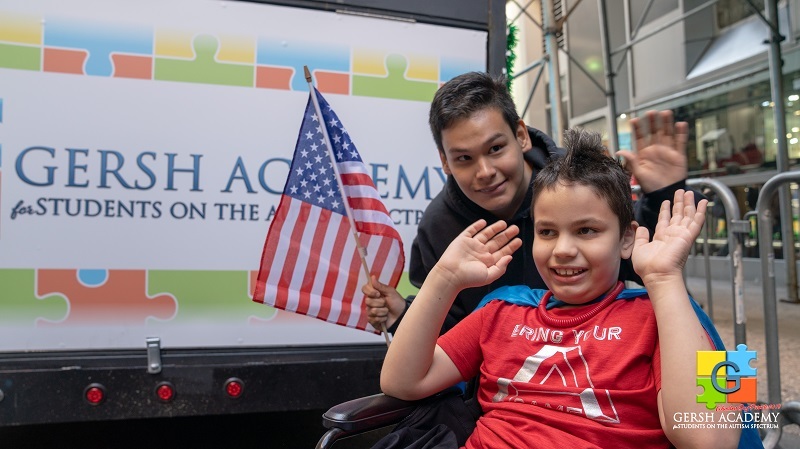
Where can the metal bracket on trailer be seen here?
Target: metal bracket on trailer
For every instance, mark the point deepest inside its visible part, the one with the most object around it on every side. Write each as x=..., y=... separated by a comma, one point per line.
x=153, y=355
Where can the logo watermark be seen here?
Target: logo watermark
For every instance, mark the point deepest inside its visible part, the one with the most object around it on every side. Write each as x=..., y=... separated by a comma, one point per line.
x=730, y=390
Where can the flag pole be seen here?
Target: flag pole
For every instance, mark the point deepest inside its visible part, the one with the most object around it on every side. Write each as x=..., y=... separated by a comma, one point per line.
x=362, y=252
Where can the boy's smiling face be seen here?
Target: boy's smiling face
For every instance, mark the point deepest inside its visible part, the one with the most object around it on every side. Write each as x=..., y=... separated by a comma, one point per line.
x=577, y=246
x=484, y=155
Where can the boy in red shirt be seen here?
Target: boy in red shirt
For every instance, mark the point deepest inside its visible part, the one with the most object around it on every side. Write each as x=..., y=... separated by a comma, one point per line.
x=590, y=365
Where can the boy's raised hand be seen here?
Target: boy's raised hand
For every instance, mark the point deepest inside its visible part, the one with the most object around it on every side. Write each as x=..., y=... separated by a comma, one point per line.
x=663, y=258
x=479, y=255
x=660, y=158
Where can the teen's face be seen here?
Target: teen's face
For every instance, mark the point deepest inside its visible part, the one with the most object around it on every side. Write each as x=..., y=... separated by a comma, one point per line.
x=577, y=245
x=484, y=155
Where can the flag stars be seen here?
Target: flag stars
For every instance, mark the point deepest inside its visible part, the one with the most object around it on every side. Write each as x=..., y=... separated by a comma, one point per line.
x=312, y=176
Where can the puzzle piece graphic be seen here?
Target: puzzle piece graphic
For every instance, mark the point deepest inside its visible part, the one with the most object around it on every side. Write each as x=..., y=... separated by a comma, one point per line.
x=332, y=83
x=205, y=67
x=174, y=43
x=129, y=66
x=64, y=61
x=19, y=304
x=106, y=296
x=98, y=41
x=707, y=360
x=274, y=78
x=374, y=62
x=747, y=392
x=742, y=357
x=449, y=68
x=16, y=29
x=710, y=395
x=395, y=84
x=218, y=296
x=322, y=60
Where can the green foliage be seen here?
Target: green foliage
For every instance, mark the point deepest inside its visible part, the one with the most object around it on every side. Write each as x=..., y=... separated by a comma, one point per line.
x=511, y=56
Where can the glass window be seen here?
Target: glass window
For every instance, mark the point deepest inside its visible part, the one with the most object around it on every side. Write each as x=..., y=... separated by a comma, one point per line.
x=657, y=9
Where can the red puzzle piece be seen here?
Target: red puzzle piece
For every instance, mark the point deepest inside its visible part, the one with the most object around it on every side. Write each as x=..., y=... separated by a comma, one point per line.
x=121, y=300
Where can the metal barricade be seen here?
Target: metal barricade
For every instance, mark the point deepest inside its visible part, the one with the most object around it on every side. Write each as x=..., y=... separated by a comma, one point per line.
x=767, y=255
x=790, y=411
x=737, y=229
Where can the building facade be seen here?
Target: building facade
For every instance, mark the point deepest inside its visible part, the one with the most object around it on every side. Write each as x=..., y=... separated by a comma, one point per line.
x=705, y=60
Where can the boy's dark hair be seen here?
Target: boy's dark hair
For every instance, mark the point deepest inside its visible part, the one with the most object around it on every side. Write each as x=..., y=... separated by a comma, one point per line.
x=465, y=94
x=586, y=163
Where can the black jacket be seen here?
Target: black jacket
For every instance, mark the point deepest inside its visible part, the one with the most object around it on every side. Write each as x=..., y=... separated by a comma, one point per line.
x=450, y=212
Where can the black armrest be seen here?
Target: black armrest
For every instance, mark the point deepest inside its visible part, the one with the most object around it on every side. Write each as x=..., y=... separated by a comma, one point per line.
x=367, y=413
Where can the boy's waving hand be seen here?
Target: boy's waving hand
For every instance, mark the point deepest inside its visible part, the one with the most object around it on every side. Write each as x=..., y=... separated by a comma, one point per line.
x=666, y=255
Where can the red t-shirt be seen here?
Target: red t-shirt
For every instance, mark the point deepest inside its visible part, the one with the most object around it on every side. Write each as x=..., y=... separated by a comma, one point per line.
x=590, y=385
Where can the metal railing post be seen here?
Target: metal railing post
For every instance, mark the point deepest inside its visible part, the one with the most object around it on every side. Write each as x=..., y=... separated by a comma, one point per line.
x=767, y=255
x=707, y=265
x=736, y=230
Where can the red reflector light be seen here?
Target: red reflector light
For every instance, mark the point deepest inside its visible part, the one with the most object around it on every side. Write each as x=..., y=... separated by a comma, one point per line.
x=94, y=394
x=234, y=387
x=165, y=391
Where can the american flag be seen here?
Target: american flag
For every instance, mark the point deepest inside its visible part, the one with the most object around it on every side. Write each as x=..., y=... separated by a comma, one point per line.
x=310, y=264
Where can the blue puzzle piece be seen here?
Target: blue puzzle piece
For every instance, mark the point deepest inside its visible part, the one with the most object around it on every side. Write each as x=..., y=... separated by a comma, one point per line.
x=100, y=40
x=741, y=357
x=295, y=54
x=450, y=68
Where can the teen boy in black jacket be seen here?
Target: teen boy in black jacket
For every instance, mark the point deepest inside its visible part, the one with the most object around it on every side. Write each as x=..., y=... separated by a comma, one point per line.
x=491, y=158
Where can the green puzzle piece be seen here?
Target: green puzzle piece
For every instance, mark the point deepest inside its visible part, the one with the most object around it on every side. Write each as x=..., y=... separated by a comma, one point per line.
x=208, y=295
x=19, y=304
x=20, y=57
x=219, y=295
x=204, y=68
x=710, y=395
x=395, y=85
